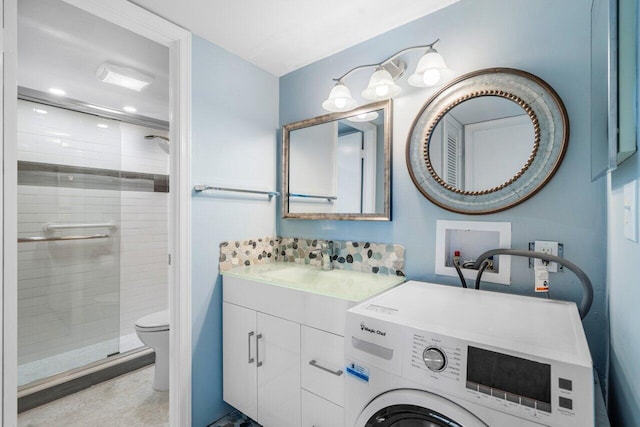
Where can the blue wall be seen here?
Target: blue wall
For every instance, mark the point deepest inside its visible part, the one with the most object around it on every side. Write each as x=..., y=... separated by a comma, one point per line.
x=235, y=119
x=624, y=295
x=548, y=38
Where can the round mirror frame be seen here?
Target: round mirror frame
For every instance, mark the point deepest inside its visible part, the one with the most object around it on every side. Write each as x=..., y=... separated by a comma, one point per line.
x=551, y=137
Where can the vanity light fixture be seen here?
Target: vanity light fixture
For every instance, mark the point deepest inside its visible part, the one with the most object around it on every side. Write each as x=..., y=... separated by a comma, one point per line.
x=429, y=69
x=122, y=76
x=340, y=99
x=382, y=83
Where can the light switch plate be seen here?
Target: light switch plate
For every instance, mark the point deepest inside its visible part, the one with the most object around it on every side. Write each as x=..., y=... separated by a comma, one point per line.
x=630, y=208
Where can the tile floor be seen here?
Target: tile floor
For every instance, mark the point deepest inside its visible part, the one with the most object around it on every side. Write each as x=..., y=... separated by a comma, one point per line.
x=235, y=419
x=126, y=401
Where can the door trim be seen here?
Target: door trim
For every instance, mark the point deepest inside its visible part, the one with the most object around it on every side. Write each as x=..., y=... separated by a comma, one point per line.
x=178, y=40
x=9, y=252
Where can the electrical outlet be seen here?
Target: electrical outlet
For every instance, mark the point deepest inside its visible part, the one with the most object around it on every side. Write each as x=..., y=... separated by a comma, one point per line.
x=546, y=247
x=630, y=211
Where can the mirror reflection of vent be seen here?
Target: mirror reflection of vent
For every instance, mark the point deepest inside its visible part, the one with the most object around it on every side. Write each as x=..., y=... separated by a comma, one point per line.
x=453, y=152
x=452, y=161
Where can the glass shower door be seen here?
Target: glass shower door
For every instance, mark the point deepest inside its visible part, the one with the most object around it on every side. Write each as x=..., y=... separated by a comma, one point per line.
x=69, y=204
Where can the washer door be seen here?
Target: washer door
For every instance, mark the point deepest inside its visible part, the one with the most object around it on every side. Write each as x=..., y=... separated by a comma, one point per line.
x=415, y=408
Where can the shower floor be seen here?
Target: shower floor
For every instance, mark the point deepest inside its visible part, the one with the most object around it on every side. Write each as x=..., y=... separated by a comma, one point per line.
x=73, y=359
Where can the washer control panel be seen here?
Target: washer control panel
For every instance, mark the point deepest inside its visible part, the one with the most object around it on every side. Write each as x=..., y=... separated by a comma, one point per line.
x=542, y=391
x=430, y=355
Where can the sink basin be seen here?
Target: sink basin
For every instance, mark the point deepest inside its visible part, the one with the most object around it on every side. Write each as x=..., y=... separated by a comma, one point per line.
x=344, y=284
x=293, y=274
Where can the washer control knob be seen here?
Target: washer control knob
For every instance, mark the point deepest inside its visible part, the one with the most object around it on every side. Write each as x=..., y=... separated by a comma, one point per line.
x=434, y=358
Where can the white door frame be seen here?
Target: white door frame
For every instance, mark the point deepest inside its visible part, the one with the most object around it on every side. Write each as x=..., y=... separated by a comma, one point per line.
x=9, y=265
x=178, y=40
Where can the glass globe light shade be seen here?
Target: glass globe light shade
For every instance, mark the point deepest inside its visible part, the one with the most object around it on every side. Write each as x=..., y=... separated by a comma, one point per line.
x=339, y=99
x=381, y=86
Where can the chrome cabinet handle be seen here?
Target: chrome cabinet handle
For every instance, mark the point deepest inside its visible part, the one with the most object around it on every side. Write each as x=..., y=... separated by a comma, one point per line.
x=331, y=371
x=258, y=338
x=249, y=345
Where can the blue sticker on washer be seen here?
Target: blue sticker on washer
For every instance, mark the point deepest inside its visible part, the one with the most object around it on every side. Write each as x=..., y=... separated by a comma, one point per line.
x=358, y=372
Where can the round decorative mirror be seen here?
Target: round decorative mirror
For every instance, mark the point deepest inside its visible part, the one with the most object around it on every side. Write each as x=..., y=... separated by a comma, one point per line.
x=487, y=141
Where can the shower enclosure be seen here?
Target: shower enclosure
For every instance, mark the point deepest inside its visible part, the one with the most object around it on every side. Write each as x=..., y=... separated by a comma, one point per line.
x=92, y=236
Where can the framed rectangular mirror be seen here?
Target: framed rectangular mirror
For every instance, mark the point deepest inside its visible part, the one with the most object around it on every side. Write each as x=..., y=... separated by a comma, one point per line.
x=338, y=166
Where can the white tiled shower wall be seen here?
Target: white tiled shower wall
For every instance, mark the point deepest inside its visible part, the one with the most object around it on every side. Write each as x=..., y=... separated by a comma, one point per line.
x=70, y=293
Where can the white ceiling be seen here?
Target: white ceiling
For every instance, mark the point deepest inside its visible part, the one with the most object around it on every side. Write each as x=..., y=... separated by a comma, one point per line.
x=62, y=46
x=280, y=36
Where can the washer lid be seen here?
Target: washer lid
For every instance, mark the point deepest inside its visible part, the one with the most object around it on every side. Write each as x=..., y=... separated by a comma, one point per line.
x=156, y=320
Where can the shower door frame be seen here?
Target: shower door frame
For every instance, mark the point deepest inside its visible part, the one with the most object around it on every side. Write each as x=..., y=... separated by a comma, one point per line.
x=178, y=40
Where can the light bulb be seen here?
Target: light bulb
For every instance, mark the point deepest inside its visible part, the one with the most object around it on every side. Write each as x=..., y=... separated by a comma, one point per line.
x=382, y=90
x=340, y=102
x=362, y=116
x=431, y=77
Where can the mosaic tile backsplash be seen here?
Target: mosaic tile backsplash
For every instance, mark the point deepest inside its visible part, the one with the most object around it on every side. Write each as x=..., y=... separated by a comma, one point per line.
x=365, y=257
x=236, y=253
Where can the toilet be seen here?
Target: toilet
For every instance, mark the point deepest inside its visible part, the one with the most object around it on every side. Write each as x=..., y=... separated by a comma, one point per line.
x=153, y=331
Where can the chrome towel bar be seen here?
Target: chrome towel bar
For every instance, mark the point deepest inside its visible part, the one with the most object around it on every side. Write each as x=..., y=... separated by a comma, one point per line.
x=53, y=239
x=311, y=196
x=67, y=226
x=203, y=187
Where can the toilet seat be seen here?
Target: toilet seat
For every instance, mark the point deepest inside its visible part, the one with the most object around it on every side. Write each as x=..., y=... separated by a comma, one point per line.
x=154, y=322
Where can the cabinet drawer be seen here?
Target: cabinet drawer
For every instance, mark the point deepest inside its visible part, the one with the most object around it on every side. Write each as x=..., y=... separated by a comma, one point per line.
x=322, y=364
x=318, y=412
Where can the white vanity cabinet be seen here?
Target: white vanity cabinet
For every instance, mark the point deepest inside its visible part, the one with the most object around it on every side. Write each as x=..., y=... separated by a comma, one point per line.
x=261, y=359
x=283, y=344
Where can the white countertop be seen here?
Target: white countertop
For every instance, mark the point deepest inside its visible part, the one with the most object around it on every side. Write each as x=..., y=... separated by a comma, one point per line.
x=337, y=283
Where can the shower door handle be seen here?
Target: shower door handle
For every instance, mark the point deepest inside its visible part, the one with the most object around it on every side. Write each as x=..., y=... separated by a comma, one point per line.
x=249, y=346
x=258, y=338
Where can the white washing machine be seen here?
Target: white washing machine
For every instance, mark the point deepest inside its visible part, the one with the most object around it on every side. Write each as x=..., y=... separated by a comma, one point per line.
x=423, y=355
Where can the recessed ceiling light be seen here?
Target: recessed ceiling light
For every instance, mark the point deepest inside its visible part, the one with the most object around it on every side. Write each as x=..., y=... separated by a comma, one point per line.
x=102, y=126
x=129, y=109
x=56, y=91
x=40, y=111
x=122, y=76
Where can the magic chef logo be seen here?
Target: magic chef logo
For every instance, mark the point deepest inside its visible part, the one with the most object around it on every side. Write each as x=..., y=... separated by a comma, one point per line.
x=364, y=327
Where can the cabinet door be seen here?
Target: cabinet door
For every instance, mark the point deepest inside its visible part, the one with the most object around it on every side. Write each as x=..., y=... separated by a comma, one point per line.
x=278, y=372
x=239, y=373
x=318, y=412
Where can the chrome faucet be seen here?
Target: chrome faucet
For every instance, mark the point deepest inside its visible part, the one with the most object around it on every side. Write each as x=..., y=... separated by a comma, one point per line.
x=326, y=252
